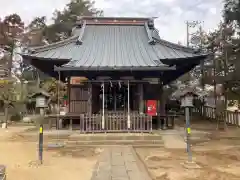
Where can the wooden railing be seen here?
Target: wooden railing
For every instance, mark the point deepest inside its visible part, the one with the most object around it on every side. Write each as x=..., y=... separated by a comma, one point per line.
x=113, y=122
x=116, y=122
x=232, y=117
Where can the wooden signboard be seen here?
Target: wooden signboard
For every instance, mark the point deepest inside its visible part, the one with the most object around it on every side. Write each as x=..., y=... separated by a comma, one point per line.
x=78, y=80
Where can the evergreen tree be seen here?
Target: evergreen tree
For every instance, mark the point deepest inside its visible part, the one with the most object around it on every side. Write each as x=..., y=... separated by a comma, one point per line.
x=65, y=20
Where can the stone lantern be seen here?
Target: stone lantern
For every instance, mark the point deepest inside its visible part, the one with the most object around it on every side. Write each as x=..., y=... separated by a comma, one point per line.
x=41, y=100
x=187, y=97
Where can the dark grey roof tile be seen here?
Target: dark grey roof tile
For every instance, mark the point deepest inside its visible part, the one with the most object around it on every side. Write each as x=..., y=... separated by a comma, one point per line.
x=114, y=46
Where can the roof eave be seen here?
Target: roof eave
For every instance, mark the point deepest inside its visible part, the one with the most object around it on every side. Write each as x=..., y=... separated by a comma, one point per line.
x=126, y=68
x=179, y=61
x=174, y=45
x=54, y=45
x=30, y=57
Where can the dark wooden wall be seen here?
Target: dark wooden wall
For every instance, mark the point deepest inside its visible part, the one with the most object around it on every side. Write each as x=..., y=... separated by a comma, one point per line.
x=82, y=102
x=96, y=103
x=151, y=91
x=78, y=99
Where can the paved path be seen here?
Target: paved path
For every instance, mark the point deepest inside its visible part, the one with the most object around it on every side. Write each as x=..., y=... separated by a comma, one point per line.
x=119, y=163
x=173, y=141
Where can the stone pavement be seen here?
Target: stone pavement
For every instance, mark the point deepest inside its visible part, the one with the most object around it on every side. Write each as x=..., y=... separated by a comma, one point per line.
x=173, y=141
x=119, y=163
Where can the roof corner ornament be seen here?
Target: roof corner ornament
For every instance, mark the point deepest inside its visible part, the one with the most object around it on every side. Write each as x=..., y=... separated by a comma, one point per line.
x=149, y=33
x=79, y=42
x=150, y=23
x=197, y=51
x=79, y=22
x=80, y=37
x=152, y=42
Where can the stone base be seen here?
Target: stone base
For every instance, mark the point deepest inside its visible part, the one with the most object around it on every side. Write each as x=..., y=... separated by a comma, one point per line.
x=34, y=164
x=2, y=169
x=190, y=165
x=2, y=172
x=56, y=145
x=4, y=125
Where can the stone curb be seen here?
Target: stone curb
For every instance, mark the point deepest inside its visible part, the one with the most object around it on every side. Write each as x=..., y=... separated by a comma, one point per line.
x=142, y=166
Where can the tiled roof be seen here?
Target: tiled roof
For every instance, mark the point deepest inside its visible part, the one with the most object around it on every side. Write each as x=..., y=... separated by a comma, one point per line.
x=114, y=46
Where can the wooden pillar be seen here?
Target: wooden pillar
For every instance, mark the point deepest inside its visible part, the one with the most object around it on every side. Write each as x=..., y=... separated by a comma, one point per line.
x=128, y=118
x=141, y=102
x=89, y=104
x=162, y=107
x=115, y=98
x=89, y=99
x=69, y=102
x=69, y=93
x=103, y=106
x=58, y=98
x=159, y=105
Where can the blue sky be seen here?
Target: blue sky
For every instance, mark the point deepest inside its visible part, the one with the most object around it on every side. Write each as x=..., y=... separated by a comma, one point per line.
x=172, y=14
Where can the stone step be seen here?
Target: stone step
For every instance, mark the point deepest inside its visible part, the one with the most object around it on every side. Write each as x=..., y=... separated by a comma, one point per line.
x=105, y=145
x=98, y=137
x=118, y=138
x=113, y=142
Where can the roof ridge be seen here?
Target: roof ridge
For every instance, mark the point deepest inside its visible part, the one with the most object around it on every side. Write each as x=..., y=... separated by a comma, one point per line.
x=54, y=45
x=117, y=17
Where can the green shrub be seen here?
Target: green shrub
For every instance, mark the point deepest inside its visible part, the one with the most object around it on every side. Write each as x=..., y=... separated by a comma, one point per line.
x=16, y=117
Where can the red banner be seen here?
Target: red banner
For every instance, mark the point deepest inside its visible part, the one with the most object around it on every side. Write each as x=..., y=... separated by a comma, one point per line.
x=152, y=107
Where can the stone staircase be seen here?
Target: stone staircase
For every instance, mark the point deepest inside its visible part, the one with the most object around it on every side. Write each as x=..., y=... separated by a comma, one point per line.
x=72, y=138
x=138, y=140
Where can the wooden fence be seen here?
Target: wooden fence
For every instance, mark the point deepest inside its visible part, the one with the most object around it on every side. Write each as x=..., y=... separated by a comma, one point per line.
x=232, y=117
x=113, y=122
x=116, y=122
